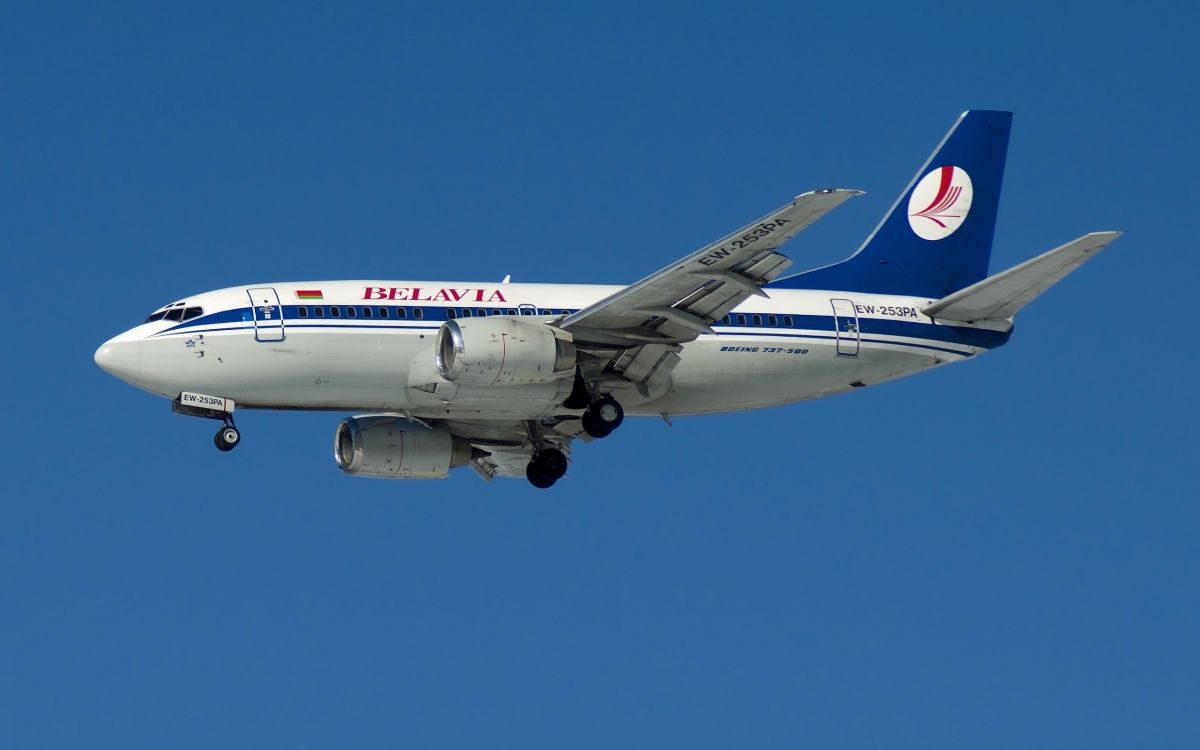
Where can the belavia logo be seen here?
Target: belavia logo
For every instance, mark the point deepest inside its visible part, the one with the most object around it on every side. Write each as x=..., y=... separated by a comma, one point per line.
x=940, y=202
x=422, y=294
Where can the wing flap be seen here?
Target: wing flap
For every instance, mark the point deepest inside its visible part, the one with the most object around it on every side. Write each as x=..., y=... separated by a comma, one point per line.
x=1001, y=296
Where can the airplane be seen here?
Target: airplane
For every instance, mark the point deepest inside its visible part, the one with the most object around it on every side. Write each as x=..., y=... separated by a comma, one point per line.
x=505, y=377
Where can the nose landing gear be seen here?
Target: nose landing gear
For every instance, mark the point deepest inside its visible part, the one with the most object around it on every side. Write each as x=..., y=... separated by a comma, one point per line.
x=211, y=407
x=228, y=437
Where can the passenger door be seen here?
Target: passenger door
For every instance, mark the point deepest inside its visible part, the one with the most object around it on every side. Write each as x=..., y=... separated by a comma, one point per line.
x=268, y=314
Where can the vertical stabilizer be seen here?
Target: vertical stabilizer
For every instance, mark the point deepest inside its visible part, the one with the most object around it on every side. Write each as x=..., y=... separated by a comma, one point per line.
x=937, y=236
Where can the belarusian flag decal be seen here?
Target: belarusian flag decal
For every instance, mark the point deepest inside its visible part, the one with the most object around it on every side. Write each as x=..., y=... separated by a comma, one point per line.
x=309, y=294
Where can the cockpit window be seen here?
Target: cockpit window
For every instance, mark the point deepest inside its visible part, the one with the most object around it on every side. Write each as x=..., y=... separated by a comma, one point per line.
x=175, y=312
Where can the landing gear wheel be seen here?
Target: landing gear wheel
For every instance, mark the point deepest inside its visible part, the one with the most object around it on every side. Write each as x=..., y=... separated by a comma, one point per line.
x=608, y=413
x=592, y=428
x=603, y=417
x=551, y=463
x=227, y=438
x=534, y=474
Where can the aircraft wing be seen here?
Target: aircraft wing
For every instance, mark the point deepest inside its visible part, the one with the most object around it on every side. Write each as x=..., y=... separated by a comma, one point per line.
x=678, y=303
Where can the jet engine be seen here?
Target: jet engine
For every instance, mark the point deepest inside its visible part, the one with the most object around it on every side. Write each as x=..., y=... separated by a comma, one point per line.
x=391, y=447
x=502, y=351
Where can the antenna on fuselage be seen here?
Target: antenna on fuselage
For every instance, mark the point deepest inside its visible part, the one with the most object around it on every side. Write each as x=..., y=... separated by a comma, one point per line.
x=507, y=278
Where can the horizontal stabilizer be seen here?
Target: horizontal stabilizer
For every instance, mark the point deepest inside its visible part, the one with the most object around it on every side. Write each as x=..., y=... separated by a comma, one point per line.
x=999, y=297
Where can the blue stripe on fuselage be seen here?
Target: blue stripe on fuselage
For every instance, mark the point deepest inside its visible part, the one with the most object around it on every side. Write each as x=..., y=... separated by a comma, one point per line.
x=434, y=316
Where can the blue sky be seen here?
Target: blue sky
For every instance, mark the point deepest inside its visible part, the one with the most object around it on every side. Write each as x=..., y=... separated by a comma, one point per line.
x=1001, y=553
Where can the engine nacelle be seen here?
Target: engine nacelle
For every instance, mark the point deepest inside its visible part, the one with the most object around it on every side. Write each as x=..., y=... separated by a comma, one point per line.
x=427, y=389
x=390, y=447
x=502, y=351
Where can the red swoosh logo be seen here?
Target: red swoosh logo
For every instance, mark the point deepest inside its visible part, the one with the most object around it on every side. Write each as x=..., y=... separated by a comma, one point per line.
x=945, y=199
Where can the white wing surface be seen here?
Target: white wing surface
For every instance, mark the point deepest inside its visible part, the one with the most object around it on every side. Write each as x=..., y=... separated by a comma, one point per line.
x=678, y=303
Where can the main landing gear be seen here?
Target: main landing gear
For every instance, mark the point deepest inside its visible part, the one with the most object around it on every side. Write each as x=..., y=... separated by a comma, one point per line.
x=602, y=417
x=549, y=465
x=546, y=468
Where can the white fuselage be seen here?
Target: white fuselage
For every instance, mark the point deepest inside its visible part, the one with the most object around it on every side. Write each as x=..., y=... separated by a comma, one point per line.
x=352, y=349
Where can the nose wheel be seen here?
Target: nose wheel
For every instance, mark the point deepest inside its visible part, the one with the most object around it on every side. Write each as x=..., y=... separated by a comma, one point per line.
x=602, y=417
x=227, y=438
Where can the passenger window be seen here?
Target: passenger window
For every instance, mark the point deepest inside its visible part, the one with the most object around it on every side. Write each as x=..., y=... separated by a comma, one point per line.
x=335, y=312
x=727, y=320
x=401, y=313
x=757, y=320
x=419, y=314
x=319, y=311
x=301, y=312
x=481, y=313
x=351, y=312
x=466, y=313
x=565, y=312
x=545, y=312
x=772, y=320
x=368, y=312
x=383, y=313
x=450, y=314
x=497, y=312
x=787, y=321
x=512, y=311
x=741, y=319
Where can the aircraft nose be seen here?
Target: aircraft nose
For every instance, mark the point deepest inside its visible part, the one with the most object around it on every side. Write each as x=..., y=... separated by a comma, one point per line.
x=121, y=359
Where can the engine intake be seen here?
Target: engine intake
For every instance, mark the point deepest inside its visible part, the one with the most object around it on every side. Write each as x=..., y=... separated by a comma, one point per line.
x=502, y=351
x=390, y=447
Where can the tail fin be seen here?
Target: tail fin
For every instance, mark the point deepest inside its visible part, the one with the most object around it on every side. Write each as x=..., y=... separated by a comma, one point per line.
x=937, y=236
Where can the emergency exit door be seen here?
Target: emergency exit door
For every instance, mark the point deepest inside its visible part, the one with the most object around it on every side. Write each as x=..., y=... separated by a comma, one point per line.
x=268, y=314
